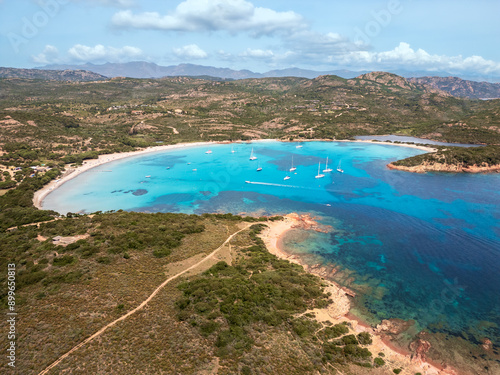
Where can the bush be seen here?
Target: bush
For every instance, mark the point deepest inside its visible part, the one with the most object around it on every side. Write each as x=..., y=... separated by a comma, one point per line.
x=349, y=340
x=208, y=328
x=162, y=253
x=364, y=338
x=104, y=260
x=63, y=261
x=397, y=370
x=378, y=362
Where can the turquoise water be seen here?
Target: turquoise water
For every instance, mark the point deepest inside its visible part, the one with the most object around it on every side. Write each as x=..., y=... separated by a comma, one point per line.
x=428, y=244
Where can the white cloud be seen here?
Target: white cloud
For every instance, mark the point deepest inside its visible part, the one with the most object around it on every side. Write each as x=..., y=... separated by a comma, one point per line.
x=190, y=51
x=82, y=53
x=49, y=55
x=405, y=57
x=114, y=3
x=257, y=53
x=311, y=43
x=99, y=52
x=213, y=15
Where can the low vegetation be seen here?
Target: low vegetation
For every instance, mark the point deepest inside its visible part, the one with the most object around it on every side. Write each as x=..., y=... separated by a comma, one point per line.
x=466, y=157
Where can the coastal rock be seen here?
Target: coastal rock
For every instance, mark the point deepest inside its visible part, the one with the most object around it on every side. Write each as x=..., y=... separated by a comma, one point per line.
x=441, y=167
x=419, y=348
x=349, y=292
x=307, y=222
x=486, y=344
x=393, y=326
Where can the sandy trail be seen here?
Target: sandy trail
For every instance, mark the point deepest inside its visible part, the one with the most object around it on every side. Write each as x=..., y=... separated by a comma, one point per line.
x=142, y=305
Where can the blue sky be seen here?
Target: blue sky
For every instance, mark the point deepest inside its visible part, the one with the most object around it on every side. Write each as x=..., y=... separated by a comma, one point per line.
x=457, y=36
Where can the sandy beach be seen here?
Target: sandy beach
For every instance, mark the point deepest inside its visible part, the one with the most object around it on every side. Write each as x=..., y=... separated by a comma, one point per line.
x=71, y=172
x=338, y=311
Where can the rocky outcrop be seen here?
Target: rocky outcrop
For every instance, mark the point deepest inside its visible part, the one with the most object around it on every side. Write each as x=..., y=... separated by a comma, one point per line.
x=486, y=344
x=393, y=327
x=442, y=167
x=308, y=222
x=419, y=347
x=386, y=79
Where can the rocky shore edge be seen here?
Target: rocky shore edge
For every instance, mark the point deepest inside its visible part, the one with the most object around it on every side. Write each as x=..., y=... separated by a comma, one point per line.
x=338, y=311
x=440, y=167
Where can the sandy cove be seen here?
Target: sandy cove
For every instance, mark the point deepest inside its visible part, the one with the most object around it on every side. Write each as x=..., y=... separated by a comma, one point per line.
x=71, y=173
x=338, y=311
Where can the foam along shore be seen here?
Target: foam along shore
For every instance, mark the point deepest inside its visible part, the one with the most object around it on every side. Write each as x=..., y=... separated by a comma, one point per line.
x=71, y=172
x=338, y=310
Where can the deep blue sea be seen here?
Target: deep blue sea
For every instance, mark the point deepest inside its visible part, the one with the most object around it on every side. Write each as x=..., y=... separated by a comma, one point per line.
x=415, y=246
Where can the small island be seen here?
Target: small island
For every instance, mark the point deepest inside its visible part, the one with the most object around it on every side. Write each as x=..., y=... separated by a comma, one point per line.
x=453, y=159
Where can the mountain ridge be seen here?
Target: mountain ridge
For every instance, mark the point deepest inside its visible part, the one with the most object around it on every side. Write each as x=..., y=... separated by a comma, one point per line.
x=461, y=88
x=454, y=86
x=73, y=75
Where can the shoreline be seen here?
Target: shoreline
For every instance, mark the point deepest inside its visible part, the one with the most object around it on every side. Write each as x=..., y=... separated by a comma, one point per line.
x=102, y=159
x=339, y=310
x=439, y=167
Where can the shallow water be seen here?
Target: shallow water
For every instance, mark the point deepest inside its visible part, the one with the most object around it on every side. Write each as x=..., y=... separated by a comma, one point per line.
x=414, y=246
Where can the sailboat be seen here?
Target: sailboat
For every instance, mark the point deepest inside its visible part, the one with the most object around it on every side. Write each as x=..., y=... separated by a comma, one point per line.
x=326, y=170
x=293, y=168
x=232, y=150
x=252, y=156
x=287, y=177
x=340, y=170
x=259, y=168
x=319, y=175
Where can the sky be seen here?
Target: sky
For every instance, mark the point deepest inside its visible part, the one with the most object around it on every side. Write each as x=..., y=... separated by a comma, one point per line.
x=456, y=36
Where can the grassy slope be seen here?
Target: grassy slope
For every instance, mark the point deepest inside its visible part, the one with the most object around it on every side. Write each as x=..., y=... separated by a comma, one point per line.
x=250, y=318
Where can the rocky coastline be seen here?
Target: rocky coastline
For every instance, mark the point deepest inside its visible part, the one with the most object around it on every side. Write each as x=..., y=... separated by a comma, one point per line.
x=413, y=359
x=442, y=167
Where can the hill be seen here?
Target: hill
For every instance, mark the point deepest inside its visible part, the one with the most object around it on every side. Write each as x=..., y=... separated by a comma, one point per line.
x=58, y=122
x=461, y=88
x=55, y=75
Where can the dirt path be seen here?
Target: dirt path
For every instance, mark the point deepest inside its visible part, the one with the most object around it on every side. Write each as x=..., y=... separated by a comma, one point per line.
x=32, y=224
x=142, y=305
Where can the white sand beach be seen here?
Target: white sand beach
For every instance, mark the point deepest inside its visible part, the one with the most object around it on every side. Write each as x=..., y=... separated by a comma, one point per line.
x=71, y=172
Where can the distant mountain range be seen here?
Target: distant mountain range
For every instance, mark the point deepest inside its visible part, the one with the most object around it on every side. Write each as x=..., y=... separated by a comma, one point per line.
x=55, y=75
x=141, y=69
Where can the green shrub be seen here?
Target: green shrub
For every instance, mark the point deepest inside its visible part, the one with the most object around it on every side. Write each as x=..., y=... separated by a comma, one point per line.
x=349, y=340
x=397, y=370
x=104, y=260
x=364, y=338
x=63, y=261
x=162, y=253
x=378, y=362
x=209, y=327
